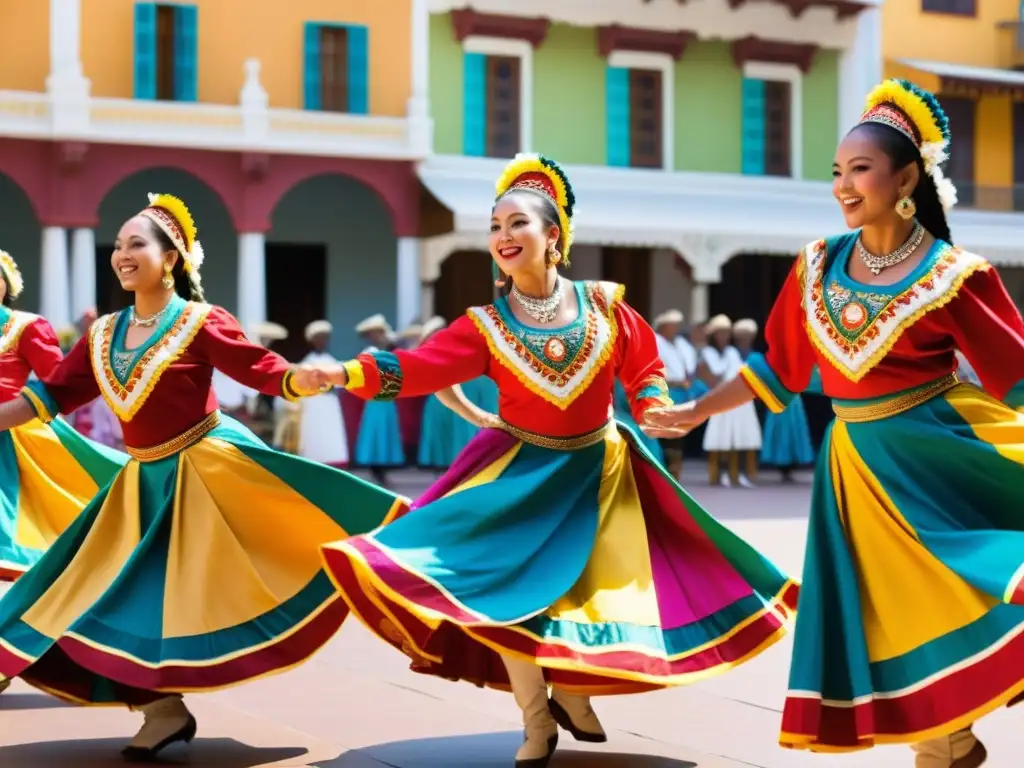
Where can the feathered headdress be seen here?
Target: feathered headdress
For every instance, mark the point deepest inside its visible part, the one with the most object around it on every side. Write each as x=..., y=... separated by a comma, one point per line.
x=11, y=274
x=543, y=175
x=916, y=114
x=173, y=217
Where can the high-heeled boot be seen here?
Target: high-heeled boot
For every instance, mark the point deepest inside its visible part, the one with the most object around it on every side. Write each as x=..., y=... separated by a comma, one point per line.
x=167, y=721
x=958, y=750
x=575, y=715
x=540, y=735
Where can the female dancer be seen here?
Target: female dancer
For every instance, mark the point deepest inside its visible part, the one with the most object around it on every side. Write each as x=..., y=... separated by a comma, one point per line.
x=48, y=472
x=555, y=549
x=912, y=610
x=198, y=567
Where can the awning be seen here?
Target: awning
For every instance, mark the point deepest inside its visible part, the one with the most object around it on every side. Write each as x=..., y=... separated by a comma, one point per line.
x=706, y=217
x=954, y=79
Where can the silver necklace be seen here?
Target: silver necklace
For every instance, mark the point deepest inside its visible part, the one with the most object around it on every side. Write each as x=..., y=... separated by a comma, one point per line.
x=542, y=310
x=148, y=322
x=877, y=263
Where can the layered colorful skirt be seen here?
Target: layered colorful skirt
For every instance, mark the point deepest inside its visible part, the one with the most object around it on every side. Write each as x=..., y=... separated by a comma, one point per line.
x=911, y=622
x=379, y=442
x=585, y=557
x=191, y=572
x=48, y=473
x=787, y=438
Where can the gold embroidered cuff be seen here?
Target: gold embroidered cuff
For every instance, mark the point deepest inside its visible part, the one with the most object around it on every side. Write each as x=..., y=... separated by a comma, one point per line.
x=291, y=393
x=43, y=413
x=356, y=376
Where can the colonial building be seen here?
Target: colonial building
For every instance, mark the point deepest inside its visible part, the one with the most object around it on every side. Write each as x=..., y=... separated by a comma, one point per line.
x=971, y=53
x=699, y=136
x=292, y=129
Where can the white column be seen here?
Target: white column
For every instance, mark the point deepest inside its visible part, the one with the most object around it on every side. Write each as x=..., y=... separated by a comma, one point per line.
x=55, y=300
x=698, y=302
x=426, y=301
x=419, y=104
x=83, y=271
x=408, y=282
x=66, y=83
x=252, y=279
x=860, y=67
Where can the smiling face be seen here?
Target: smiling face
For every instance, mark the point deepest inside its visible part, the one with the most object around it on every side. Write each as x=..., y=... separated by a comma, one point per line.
x=520, y=238
x=864, y=180
x=139, y=255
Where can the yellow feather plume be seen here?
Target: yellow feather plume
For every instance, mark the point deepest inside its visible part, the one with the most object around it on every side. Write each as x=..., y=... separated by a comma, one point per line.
x=915, y=108
x=11, y=274
x=177, y=208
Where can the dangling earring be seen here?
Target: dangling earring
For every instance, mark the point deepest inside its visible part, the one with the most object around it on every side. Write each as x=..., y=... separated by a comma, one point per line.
x=168, y=281
x=906, y=208
x=554, y=257
x=496, y=274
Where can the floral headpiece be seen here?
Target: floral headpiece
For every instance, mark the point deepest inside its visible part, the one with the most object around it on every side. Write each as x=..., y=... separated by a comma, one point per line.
x=543, y=175
x=11, y=275
x=916, y=114
x=173, y=217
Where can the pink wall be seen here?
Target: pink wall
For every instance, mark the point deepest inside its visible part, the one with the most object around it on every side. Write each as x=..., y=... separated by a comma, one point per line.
x=66, y=182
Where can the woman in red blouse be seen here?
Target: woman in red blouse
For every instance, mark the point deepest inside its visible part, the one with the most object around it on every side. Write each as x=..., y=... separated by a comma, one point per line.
x=48, y=472
x=556, y=549
x=911, y=622
x=199, y=566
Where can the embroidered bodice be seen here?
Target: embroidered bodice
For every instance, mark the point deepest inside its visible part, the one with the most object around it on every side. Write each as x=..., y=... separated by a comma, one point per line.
x=871, y=341
x=552, y=381
x=163, y=387
x=27, y=345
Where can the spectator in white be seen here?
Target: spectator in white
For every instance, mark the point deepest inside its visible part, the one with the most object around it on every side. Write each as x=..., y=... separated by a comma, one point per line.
x=322, y=435
x=667, y=326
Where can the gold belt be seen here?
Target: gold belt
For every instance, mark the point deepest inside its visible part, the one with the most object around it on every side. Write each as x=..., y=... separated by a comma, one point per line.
x=175, y=444
x=558, y=443
x=895, y=405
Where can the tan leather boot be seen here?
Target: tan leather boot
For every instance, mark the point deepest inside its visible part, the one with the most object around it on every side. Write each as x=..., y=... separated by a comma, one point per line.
x=575, y=715
x=530, y=690
x=167, y=721
x=958, y=750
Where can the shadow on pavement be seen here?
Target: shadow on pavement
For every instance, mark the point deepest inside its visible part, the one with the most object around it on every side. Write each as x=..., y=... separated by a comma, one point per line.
x=29, y=701
x=490, y=750
x=105, y=753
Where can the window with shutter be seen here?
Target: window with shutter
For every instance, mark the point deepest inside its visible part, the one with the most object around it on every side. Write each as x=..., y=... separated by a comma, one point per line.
x=503, y=105
x=165, y=50
x=333, y=69
x=474, y=104
x=617, y=115
x=777, y=128
x=960, y=165
x=145, y=51
x=955, y=7
x=186, y=49
x=645, y=118
x=753, y=119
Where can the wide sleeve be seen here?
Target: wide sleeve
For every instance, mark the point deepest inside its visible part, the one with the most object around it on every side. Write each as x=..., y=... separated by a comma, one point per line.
x=988, y=330
x=38, y=345
x=637, y=363
x=452, y=356
x=222, y=343
x=67, y=387
x=785, y=369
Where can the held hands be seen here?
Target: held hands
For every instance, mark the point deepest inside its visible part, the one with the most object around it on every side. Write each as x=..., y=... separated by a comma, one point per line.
x=675, y=418
x=310, y=378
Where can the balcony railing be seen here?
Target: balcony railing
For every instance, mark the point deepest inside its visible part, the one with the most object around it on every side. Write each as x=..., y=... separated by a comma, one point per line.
x=1011, y=44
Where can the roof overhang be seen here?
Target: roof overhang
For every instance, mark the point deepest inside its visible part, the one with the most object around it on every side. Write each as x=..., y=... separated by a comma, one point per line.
x=706, y=217
x=961, y=79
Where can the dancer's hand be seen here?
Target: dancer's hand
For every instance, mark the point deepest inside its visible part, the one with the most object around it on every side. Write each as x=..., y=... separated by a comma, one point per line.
x=684, y=416
x=487, y=420
x=659, y=433
x=310, y=378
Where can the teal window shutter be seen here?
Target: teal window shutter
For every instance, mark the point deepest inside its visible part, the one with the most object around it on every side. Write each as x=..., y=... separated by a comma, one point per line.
x=617, y=116
x=186, y=52
x=311, y=83
x=145, y=51
x=358, y=69
x=753, y=126
x=474, y=105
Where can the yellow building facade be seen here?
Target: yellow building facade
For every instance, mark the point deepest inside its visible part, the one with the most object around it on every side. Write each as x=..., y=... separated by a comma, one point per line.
x=971, y=54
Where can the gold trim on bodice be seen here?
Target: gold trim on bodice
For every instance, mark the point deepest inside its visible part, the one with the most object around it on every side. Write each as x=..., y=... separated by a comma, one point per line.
x=177, y=444
x=894, y=406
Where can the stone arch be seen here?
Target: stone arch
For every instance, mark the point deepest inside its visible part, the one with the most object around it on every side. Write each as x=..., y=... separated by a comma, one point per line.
x=332, y=252
x=216, y=229
x=21, y=237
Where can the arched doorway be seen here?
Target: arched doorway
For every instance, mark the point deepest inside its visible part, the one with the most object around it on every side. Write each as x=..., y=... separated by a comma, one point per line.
x=466, y=280
x=750, y=283
x=213, y=222
x=21, y=237
x=331, y=253
x=630, y=267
